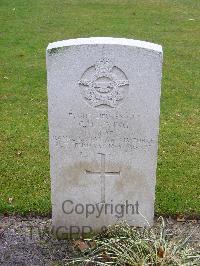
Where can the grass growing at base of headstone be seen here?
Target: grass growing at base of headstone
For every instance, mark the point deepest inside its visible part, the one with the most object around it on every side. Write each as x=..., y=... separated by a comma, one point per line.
x=26, y=29
x=125, y=245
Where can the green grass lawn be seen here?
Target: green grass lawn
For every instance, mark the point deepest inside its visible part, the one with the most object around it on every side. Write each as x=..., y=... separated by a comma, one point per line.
x=26, y=29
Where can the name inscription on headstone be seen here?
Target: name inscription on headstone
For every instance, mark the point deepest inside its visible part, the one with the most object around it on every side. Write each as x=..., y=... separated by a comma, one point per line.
x=104, y=135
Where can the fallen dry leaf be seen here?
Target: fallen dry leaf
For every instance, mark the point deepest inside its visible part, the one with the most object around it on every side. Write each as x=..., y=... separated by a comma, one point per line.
x=160, y=252
x=180, y=218
x=81, y=245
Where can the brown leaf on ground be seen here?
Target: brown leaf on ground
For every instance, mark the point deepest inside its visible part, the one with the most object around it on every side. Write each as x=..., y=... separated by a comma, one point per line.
x=180, y=218
x=160, y=252
x=81, y=245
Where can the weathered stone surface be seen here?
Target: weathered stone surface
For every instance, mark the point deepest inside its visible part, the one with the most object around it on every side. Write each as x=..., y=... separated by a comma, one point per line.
x=104, y=102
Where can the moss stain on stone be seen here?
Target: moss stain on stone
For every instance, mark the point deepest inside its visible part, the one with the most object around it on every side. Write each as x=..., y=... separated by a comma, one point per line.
x=57, y=50
x=53, y=51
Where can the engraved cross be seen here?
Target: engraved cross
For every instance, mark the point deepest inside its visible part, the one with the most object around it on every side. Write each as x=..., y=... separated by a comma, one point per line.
x=103, y=175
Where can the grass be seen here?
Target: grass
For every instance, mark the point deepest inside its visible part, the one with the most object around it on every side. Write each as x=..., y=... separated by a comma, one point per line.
x=26, y=29
x=122, y=245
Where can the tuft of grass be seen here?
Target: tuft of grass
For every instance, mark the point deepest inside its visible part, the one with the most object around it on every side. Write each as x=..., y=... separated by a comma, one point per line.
x=122, y=245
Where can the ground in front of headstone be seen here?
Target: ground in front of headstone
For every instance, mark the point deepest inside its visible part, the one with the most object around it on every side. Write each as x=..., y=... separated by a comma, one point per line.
x=28, y=240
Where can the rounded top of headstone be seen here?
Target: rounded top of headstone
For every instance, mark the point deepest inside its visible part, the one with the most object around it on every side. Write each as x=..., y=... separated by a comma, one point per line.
x=106, y=40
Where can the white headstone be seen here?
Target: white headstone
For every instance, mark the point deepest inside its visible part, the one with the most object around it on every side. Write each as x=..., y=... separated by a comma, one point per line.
x=104, y=104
